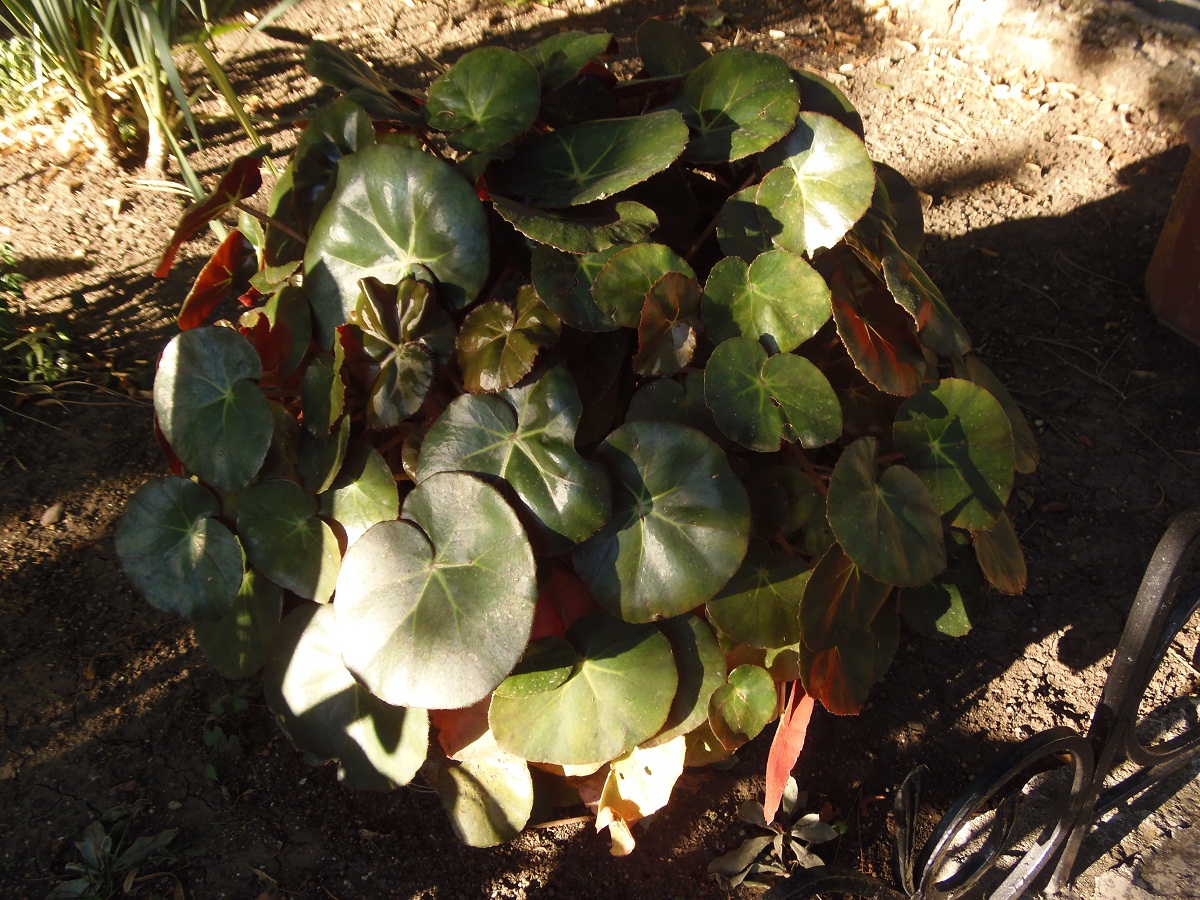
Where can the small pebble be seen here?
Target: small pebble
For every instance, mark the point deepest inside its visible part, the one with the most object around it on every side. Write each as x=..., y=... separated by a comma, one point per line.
x=53, y=514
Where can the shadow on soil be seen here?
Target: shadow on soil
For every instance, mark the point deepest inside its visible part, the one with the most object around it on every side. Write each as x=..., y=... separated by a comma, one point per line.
x=1055, y=308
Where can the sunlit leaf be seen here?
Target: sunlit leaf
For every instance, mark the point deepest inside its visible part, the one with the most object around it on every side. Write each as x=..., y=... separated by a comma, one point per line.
x=548, y=662
x=888, y=522
x=785, y=749
x=778, y=298
x=840, y=676
x=951, y=603
x=435, y=609
x=363, y=493
x=620, y=288
x=286, y=541
x=737, y=103
x=830, y=187
x=497, y=344
x=487, y=98
x=210, y=408
x=488, y=799
x=638, y=784
x=225, y=275
x=395, y=213
x=580, y=229
x=957, y=439
x=743, y=706
x=592, y=160
x=177, y=553
x=618, y=695
x=527, y=438
x=1025, y=450
x=330, y=715
x=879, y=336
x=667, y=330
x=761, y=401
x=240, y=180
x=679, y=526
x=744, y=229
x=334, y=132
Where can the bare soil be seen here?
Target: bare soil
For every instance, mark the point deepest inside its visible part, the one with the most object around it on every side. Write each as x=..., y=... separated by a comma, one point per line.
x=1046, y=176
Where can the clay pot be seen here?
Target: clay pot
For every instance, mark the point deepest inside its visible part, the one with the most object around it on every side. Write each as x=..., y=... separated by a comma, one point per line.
x=1173, y=277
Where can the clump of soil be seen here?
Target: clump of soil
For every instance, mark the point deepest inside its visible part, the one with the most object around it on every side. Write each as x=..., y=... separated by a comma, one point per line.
x=1045, y=190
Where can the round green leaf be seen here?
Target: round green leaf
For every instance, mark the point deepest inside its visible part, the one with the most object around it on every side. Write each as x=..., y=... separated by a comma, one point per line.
x=778, y=298
x=888, y=524
x=330, y=715
x=209, y=406
x=528, y=439
x=1025, y=449
x=823, y=185
x=666, y=400
x=580, y=229
x=761, y=401
x=743, y=706
x=745, y=229
x=547, y=663
x=485, y=99
x=363, y=493
x=701, y=664
x=488, y=799
x=761, y=604
x=497, y=345
x=592, y=160
x=335, y=131
x=679, y=526
x=286, y=541
x=620, y=288
x=737, y=103
x=175, y=551
x=667, y=51
x=560, y=57
x=618, y=695
x=564, y=282
x=237, y=643
x=434, y=610
x=819, y=95
x=395, y=211
x=958, y=440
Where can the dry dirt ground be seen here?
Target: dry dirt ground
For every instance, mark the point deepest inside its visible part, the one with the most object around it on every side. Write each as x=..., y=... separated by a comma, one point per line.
x=1045, y=140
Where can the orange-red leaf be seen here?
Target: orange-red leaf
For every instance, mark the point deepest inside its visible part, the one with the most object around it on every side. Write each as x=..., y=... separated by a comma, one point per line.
x=786, y=747
x=241, y=180
x=227, y=271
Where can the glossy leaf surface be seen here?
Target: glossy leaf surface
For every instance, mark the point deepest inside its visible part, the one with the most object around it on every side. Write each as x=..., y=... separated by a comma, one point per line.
x=592, y=160
x=878, y=334
x=225, y=275
x=560, y=57
x=177, y=553
x=761, y=401
x=487, y=98
x=619, y=694
x=743, y=706
x=286, y=541
x=435, y=609
x=737, y=103
x=958, y=440
x=760, y=605
x=888, y=522
x=679, y=526
x=668, y=327
x=209, y=406
x=488, y=799
x=363, y=493
x=701, y=666
x=564, y=282
x=620, y=288
x=497, y=343
x=779, y=298
x=840, y=600
x=527, y=438
x=394, y=213
x=580, y=229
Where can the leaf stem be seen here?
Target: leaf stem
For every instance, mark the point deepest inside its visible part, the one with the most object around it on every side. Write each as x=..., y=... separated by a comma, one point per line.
x=272, y=221
x=810, y=471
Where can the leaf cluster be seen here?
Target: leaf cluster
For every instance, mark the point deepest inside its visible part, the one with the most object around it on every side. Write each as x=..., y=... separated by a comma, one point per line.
x=569, y=416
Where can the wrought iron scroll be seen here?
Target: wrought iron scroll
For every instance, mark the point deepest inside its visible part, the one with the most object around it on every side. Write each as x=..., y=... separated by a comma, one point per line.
x=976, y=849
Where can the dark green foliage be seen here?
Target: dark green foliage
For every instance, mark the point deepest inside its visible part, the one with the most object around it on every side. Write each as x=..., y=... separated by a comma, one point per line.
x=596, y=412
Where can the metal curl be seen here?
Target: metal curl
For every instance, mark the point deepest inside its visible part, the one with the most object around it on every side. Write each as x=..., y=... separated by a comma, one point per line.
x=1022, y=758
